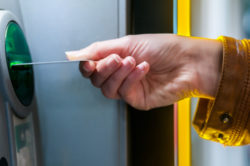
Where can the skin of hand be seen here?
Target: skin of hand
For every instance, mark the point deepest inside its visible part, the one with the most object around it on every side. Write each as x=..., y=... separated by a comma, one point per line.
x=153, y=70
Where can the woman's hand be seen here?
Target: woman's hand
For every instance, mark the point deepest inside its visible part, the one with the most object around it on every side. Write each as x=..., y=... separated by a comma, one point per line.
x=149, y=71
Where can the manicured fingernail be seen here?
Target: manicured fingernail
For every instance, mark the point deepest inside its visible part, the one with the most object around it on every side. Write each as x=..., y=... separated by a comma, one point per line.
x=116, y=59
x=112, y=59
x=70, y=54
x=142, y=66
x=130, y=60
x=77, y=55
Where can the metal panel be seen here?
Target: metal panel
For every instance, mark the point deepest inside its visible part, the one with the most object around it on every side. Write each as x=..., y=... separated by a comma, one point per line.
x=79, y=126
x=4, y=142
x=13, y=6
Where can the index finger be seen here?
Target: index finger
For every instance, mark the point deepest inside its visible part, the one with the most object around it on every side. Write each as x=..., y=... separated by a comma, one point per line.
x=99, y=50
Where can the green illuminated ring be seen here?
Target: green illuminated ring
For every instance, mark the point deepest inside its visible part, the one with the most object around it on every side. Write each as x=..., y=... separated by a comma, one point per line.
x=6, y=87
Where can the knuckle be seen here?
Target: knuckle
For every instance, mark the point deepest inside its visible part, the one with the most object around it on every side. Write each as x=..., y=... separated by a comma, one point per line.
x=108, y=90
x=101, y=76
x=95, y=45
x=116, y=59
x=143, y=108
x=101, y=72
x=85, y=73
x=95, y=82
x=115, y=78
x=115, y=56
x=122, y=93
x=128, y=39
x=106, y=93
x=146, y=108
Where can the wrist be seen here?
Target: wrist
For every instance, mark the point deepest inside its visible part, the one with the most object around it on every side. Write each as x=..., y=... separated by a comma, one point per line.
x=208, y=63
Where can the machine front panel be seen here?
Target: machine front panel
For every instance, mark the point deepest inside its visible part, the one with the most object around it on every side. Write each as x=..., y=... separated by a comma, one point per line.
x=24, y=139
x=18, y=129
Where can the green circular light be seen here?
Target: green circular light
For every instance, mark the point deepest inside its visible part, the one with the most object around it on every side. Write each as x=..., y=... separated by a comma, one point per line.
x=17, y=51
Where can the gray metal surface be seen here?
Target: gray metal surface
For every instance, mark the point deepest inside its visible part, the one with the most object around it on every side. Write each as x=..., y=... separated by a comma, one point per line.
x=24, y=139
x=4, y=142
x=79, y=126
x=13, y=6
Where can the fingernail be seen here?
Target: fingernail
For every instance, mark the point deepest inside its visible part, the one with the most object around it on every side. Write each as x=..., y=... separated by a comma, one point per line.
x=113, y=58
x=77, y=55
x=142, y=66
x=70, y=54
x=116, y=59
x=131, y=60
x=110, y=60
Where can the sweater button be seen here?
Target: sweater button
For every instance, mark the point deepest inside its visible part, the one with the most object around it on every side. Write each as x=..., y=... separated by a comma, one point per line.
x=220, y=136
x=225, y=118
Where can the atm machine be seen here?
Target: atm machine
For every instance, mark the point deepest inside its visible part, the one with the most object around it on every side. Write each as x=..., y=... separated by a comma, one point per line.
x=19, y=131
x=105, y=131
x=132, y=137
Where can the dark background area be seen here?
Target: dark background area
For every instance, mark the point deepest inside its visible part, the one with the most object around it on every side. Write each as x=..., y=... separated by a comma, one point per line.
x=151, y=135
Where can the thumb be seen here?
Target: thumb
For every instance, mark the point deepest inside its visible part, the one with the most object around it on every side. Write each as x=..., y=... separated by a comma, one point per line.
x=99, y=50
